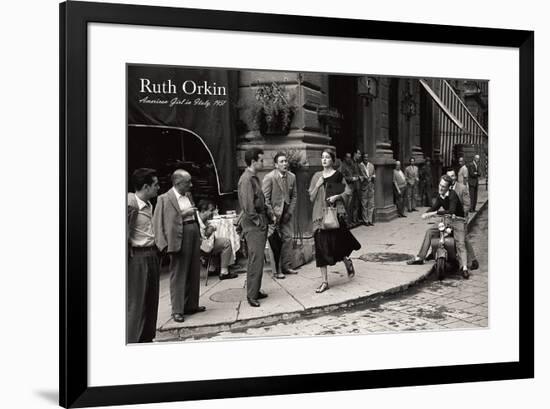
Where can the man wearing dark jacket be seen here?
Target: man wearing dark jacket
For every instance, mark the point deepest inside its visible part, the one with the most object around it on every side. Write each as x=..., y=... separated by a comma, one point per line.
x=253, y=223
x=446, y=203
x=473, y=181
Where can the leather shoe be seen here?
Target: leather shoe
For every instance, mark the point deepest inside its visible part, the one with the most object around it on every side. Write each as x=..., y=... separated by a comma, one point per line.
x=290, y=271
x=415, y=261
x=253, y=303
x=261, y=295
x=178, y=317
x=200, y=308
x=474, y=265
x=280, y=276
x=228, y=276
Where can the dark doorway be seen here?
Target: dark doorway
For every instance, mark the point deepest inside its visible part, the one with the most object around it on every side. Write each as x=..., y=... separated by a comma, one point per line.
x=393, y=119
x=426, y=122
x=343, y=97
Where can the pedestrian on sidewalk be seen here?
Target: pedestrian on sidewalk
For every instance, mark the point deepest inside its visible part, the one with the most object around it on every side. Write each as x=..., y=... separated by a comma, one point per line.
x=350, y=170
x=368, y=180
x=411, y=174
x=279, y=188
x=399, y=186
x=177, y=234
x=142, y=280
x=253, y=223
x=463, y=176
x=426, y=183
x=329, y=188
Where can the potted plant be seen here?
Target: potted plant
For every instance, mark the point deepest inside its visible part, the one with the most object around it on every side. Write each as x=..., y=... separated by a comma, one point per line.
x=272, y=114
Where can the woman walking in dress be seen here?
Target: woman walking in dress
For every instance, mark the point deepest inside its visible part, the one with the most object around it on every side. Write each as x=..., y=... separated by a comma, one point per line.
x=328, y=188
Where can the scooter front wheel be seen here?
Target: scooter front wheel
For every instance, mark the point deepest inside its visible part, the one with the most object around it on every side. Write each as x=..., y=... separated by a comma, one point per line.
x=440, y=266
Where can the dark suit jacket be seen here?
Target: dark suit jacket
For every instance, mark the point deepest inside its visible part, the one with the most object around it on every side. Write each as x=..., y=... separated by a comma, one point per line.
x=252, y=202
x=272, y=187
x=168, y=223
x=450, y=204
x=473, y=174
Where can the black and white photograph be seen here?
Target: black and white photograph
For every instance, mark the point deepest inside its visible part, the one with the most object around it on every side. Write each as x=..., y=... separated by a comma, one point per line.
x=298, y=204
x=245, y=204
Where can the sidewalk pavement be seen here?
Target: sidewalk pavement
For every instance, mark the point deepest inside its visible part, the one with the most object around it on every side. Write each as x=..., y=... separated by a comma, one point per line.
x=377, y=274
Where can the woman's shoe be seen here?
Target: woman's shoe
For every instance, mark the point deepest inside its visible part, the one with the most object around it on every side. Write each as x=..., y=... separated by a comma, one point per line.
x=322, y=288
x=349, y=267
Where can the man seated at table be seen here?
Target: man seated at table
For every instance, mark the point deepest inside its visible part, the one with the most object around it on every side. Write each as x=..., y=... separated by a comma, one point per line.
x=219, y=247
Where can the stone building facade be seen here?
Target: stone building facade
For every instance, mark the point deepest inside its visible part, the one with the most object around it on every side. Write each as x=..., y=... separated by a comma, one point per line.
x=389, y=118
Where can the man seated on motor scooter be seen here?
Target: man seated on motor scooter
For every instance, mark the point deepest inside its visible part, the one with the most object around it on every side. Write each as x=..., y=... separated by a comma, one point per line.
x=451, y=204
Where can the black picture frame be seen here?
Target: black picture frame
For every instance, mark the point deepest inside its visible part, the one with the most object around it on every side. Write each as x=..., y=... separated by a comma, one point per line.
x=73, y=379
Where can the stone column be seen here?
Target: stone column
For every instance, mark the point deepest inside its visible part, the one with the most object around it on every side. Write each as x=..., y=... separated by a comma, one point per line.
x=306, y=139
x=306, y=91
x=377, y=144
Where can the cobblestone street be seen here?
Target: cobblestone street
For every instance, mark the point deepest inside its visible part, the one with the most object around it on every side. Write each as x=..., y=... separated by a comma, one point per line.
x=433, y=305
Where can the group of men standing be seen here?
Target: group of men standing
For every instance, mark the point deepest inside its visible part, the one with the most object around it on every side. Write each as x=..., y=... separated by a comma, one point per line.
x=267, y=209
x=412, y=183
x=360, y=175
x=469, y=175
x=171, y=230
x=178, y=229
x=415, y=182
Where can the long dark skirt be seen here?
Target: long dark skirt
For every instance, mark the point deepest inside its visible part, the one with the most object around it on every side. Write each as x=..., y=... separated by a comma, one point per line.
x=331, y=246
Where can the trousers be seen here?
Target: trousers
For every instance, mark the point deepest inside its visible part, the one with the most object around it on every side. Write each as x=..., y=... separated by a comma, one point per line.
x=255, y=241
x=185, y=271
x=222, y=248
x=367, y=202
x=399, y=200
x=410, y=197
x=459, y=236
x=143, y=296
x=354, y=205
x=473, y=197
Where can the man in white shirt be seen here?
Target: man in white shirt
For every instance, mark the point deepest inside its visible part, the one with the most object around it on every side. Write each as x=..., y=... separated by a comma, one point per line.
x=142, y=279
x=411, y=174
x=177, y=233
x=368, y=180
x=462, y=172
x=399, y=186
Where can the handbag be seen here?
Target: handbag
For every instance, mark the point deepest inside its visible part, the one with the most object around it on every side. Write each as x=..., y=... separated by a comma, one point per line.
x=330, y=218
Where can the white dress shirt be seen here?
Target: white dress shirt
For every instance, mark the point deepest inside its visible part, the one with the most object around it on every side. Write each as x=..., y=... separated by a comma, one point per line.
x=184, y=204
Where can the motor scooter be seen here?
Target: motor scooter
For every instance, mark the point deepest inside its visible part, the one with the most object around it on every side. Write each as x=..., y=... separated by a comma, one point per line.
x=444, y=247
